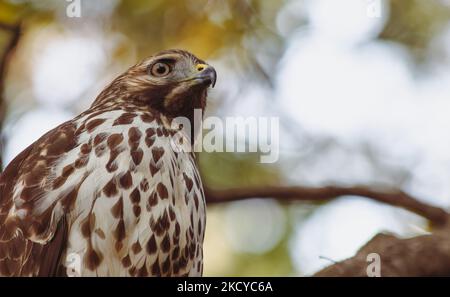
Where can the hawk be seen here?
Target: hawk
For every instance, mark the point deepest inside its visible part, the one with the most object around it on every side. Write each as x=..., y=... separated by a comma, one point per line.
x=109, y=187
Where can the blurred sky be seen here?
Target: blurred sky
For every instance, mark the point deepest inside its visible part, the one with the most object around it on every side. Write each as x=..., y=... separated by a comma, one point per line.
x=335, y=79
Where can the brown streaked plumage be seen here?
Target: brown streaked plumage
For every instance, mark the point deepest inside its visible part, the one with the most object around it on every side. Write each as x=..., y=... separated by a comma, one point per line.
x=109, y=186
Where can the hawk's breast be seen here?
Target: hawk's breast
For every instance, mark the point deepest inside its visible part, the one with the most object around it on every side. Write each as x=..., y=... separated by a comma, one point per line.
x=139, y=207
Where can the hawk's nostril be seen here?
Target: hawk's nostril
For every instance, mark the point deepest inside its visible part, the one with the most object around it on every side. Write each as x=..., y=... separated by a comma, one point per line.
x=200, y=67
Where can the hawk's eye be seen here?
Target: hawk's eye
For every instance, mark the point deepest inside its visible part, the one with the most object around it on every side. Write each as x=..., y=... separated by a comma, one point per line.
x=160, y=69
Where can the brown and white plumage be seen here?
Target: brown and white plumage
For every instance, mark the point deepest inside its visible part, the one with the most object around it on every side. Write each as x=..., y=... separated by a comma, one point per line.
x=109, y=185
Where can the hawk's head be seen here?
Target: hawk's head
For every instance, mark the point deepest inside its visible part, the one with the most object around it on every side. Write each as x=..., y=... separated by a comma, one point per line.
x=173, y=82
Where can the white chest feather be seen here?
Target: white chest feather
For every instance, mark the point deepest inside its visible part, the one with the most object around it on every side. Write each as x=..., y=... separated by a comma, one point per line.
x=139, y=208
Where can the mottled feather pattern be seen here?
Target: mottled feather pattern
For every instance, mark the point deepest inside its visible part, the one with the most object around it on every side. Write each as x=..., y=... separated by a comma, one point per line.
x=130, y=199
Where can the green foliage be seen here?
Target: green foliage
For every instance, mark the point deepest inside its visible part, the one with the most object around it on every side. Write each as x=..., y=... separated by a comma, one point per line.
x=224, y=170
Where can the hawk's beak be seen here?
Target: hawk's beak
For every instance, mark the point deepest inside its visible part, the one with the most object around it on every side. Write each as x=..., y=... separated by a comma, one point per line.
x=207, y=73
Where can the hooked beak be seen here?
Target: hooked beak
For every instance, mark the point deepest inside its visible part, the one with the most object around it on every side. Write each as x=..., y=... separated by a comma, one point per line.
x=207, y=74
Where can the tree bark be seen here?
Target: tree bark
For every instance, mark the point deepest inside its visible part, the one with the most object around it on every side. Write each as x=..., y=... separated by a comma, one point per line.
x=425, y=255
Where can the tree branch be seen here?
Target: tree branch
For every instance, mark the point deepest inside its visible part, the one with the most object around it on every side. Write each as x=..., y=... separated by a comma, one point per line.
x=8, y=27
x=393, y=197
x=426, y=255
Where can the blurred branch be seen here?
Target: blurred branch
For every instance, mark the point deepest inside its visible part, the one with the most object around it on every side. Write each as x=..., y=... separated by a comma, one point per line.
x=4, y=59
x=426, y=255
x=394, y=197
x=9, y=27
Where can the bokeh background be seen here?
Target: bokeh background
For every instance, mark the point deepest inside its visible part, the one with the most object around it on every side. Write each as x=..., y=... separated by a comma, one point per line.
x=361, y=88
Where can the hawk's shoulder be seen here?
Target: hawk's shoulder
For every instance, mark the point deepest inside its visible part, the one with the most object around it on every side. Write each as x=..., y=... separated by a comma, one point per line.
x=21, y=186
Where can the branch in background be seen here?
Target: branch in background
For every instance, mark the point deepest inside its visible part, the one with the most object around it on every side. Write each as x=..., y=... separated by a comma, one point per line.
x=426, y=255
x=394, y=197
x=9, y=27
x=4, y=59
